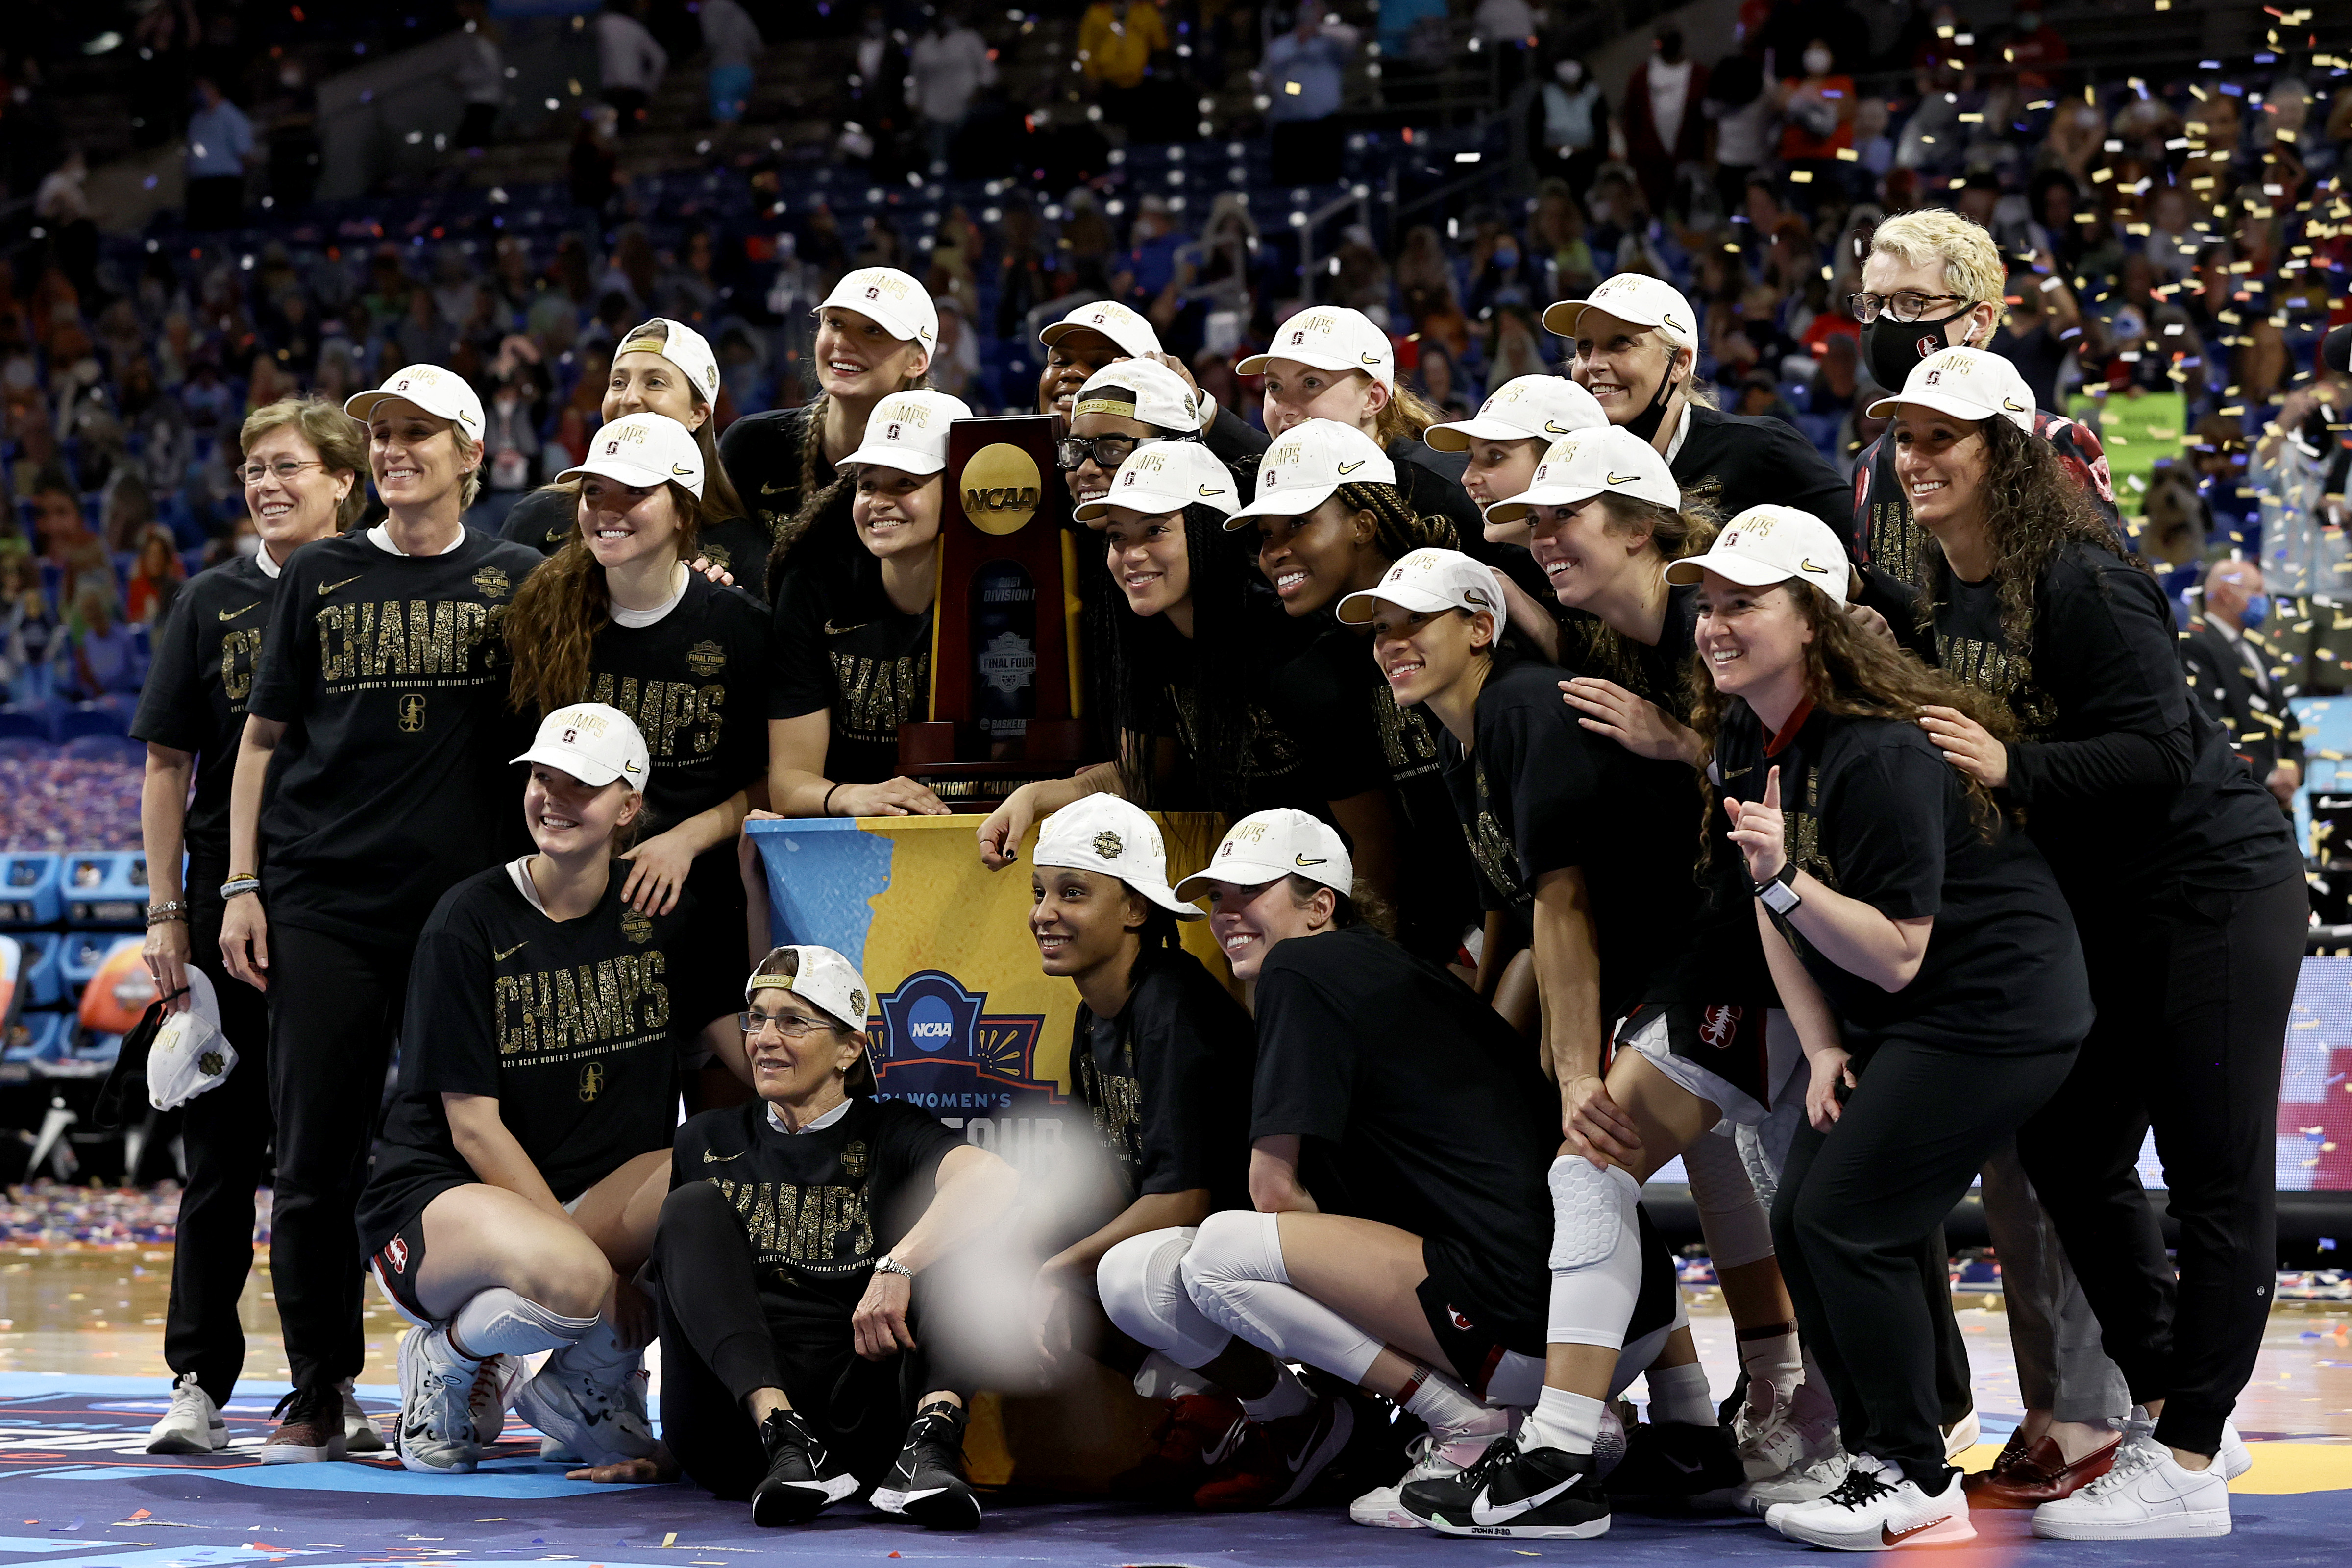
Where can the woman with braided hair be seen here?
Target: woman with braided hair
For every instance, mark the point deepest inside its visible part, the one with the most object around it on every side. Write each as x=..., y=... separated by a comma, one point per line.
x=875, y=335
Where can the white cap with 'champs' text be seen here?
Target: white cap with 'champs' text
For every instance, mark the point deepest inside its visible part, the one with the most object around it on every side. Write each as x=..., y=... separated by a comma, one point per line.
x=1131, y=330
x=897, y=302
x=1329, y=337
x=1967, y=384
x=436, y=391
x=1104, y=832
x=1635, y=299
x=909, y=431
x=594, y=744
x=1428, y=581
x=1523, y=408
x=1306, y=466
x=1165, y=477
x=1265, y=844
x=1768, y=544
x=1588, y=464
x=643, y=451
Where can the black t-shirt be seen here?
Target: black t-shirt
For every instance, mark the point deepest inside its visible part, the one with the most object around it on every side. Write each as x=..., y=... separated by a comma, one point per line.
x=2128, y=786
x=1754, y=459
x=390, y=674
x=544, y=520
x=194, y=698
x=761, y=454
x=1871, y=809
x=838, y=645
x=1539, y=792
x=1335, y=703
x=820, y=1205
x=1165, y=1078
x=694, y=684
x=566, y=1023
x=1419, y=1107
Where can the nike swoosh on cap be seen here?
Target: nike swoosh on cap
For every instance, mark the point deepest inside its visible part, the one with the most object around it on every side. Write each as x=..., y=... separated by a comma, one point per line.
x=1303, y=861
x=2012, y=405
x=1551, y=428
x=1622, y=479
x=1208, y=490
x=1805, y=564
x=1482, y=1511
x=1369, y=358
x=681, y=469
x=1351, y=467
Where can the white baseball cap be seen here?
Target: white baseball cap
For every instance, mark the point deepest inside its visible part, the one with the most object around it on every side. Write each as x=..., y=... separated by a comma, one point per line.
x=1523, y=408
x=909, y=431
x=896, y=300
x=431, y=388
x=1636, y=299
x=1140, y=389
x=1163, y=478
x=594, y=744
x=1104, y=832
x=1428, y=581
x=1128, y=328
x=1578, y=467
x=1967, y=384
x=828, y=982
x=1768, y=544
x=644, y=450
x=1329, y=337
x=1284, y=842
x=683, y=347
x=1306, y=466
x=188, y=1054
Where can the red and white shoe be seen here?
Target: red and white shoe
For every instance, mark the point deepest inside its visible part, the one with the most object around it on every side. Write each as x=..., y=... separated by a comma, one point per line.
x=1874, y=1508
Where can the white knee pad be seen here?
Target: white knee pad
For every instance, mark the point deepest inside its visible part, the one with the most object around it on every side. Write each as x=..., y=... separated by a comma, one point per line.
x=1234, y=1274
x=1142, y=1285
x=1733, y=1221
x=1596, y=1253
x=499, y=1321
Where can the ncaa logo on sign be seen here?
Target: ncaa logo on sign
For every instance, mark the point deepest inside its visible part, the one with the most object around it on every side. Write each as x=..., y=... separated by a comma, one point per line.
x=939, y=1048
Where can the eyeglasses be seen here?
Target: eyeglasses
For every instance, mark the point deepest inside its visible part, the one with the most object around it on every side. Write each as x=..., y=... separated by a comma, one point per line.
x=1107, y=451
x=285, y=469
x=1910, y=305
x=791, y=1025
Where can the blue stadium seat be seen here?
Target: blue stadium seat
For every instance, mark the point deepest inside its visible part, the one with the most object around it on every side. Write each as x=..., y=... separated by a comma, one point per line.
x=26, y=724
x=43, y=986
x=34, y=1036
x=104, y=887
x=30, y=888
x=106, y=717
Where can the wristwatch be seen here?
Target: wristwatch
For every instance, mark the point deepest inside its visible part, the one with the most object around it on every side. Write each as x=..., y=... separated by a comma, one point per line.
x=1780, y=894
x=886, y=1264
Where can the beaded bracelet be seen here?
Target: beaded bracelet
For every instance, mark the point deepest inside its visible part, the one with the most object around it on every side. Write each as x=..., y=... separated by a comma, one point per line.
x=157, y=914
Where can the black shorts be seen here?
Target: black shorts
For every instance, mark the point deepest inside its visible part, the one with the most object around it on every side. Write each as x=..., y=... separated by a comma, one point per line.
x=1725, y=1040
x=399, y=1261
x=1474, y=1334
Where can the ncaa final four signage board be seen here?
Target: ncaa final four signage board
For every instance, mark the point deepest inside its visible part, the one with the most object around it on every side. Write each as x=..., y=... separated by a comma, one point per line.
x=964, y=1023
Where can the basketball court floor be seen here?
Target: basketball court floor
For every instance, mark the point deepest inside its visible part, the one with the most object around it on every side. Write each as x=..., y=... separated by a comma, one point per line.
x=81, y=1378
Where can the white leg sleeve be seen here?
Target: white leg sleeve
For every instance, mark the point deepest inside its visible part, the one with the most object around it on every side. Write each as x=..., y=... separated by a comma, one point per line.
x=1596, y=1253
x=1236, y=1276
x=1142, y=1292
x=1729, y=1216
x=499, y=1321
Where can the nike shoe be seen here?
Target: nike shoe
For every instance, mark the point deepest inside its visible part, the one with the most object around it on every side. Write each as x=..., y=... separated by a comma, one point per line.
x=1519, y=1494
x=1435, y=1459
x=590, y=1417
x=1275, y=1461
x=1677, y=1459
x=927, y=1485
x=1773, y=1436
x=1874, y=1508
x=360, y=1435
x=193, y=1424
x=804, y=1478
x=437, y=1434
x=309, y=1428
x=497, y=1380
x=2145, y=1495
x=1960, y=1436
x=1198, y=1435
x=2235, y=1459
x=1805, y=1483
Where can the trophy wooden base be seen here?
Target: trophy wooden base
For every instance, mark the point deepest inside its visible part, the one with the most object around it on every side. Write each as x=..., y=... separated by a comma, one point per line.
x=1051, y=749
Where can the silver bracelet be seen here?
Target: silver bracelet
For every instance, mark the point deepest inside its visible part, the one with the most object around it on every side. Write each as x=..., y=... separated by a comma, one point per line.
x=157, y=914
x=886, y=1264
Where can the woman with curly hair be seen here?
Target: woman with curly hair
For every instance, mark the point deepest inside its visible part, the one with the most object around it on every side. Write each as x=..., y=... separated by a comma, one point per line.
x=1918, y=945
x=2178, y=865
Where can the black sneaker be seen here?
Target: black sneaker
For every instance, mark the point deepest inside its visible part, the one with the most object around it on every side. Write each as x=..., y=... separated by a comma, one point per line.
x=926, y=1485
x=1536, y=1494
x=804, y=1478
x=1677, y=1460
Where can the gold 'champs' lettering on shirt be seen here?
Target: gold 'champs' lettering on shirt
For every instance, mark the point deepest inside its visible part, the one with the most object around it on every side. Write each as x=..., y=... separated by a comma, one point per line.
x=818, y=1230
x=1894, y=539
x=1498, y=859
x=877, y=695
x=676, y=717
x=407, y=641
x=1405, y=740
x=1989, y=667
x=1117, y=1103
x=1266, y=751
x=238, y=649
x=545, y=1012
x=1801, y=831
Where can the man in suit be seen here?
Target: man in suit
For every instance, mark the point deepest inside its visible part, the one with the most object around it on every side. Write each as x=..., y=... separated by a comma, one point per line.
x=2241, y=680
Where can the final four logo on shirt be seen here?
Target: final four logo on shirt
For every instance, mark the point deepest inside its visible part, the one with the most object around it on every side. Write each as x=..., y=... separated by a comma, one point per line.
x=491, y=583
x=706, y=658
x=939, y=1048
x=637, y=926
x=854, y=1160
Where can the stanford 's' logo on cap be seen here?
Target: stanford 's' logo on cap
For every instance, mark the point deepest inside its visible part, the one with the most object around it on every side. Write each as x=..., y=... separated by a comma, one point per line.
x=1296, y=339
x=570, y=736
x=892, y=434
x=611, y=447
x=874, y=293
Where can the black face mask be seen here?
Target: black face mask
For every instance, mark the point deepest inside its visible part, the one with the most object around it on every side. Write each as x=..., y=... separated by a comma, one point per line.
x=1890, y=348
x=1645, y=424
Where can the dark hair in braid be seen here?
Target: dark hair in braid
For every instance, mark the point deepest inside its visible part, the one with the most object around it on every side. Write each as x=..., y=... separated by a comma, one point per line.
x=815, y=497
x=1400, y=531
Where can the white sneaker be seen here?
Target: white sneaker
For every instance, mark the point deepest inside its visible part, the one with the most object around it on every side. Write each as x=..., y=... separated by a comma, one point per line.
x=499, y=1379
x=597, y=1421
x=1383, y=1508
x=2145, y=1496
x=193, y=1424
x=1774, y=1438
x=1960, y=1436
x=437, y=1434
x=1874, y=1508
x=2235, y=1459
x=1807, y=1482
x=360, y=1434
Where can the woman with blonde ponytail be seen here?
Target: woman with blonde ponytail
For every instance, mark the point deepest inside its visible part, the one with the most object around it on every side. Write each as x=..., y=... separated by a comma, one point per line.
x=617, y=616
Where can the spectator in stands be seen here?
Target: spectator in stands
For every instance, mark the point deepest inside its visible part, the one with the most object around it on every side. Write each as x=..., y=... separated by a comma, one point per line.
x=98, y=656
x=481, y=74
x=2036, y=50
x=1117, y=41
x=28, y=632
x=2043, y=327
x=220, y=150
x=2241, y=680
x=733, y=41
x=947, y=66
x=630, y=61
x=66, y=542
x=1744, y=114
x=1664, y=129
x=155, y=579
x=1818, y=108
x=1568, y=122
x=1303, y=75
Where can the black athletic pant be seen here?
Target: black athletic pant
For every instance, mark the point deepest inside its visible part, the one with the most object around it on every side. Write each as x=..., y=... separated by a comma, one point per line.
x=1856, y=1206
x=334, y=1011
x=2193, y=992
x=721, y=1344
x=225, y=1135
